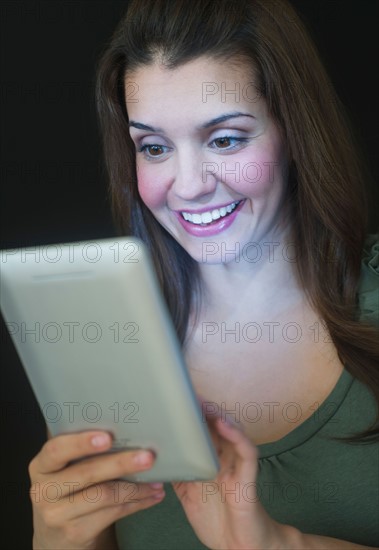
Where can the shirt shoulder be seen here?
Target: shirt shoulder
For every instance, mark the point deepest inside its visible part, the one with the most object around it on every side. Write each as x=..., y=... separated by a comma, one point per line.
x=368, y=290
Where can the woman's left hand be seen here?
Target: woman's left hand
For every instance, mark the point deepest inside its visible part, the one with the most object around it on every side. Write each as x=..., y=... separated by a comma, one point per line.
x=226, y=513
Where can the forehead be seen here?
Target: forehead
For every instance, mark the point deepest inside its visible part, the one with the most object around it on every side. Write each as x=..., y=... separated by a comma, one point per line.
x=197, y=86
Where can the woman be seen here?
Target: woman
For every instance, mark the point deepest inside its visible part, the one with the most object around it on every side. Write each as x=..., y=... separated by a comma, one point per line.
x=228, y=154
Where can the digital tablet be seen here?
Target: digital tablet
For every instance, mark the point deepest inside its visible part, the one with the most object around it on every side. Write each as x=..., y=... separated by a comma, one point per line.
x=99, y=347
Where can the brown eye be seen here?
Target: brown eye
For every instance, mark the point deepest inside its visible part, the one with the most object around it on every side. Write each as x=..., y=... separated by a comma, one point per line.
x=222, y=142
x=228, y=142
x=152, y=150
x=155, y=150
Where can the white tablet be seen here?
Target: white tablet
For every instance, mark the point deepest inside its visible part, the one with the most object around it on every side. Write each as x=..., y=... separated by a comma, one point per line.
x=98, y=345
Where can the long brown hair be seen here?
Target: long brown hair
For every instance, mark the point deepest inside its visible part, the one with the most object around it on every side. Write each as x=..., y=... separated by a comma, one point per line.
x=326, y=186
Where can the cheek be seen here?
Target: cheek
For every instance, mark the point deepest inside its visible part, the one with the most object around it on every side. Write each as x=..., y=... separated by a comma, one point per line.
x=259, y=172
x=151, y=190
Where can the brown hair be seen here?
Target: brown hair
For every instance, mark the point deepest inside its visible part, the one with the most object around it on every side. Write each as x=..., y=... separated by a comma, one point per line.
x=326, y=178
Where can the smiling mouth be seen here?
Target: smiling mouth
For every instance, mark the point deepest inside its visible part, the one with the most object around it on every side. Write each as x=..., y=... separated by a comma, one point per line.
x=207, y=218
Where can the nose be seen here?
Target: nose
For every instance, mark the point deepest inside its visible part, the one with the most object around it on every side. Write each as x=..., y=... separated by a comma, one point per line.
x=194, y=178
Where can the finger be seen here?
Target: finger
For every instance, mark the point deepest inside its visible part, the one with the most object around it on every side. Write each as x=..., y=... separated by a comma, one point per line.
x=84, y=528
x=105, y=495
x=246, y=454
x=222, y=447
x=209, y=409
x=116, y=493
x=62, y=449
x=110, y=466
x=242, y=444
x=97, y=469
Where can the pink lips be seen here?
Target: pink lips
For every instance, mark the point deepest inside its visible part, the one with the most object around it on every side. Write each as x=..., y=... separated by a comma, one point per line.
x=213, y=228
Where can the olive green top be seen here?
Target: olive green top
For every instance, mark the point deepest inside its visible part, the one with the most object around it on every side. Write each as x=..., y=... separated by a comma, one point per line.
x=305, y=479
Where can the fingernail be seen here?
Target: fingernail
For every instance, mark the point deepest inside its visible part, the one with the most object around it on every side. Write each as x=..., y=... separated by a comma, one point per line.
x=230, y=422
x=143, y=458
x=100, y=440
x=156, y=485
x=159, y=495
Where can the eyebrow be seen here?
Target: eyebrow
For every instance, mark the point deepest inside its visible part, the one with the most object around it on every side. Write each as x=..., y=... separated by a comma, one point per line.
x=209, y=124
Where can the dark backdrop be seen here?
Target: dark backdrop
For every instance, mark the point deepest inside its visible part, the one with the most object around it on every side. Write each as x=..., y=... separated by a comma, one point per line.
x=53, y=189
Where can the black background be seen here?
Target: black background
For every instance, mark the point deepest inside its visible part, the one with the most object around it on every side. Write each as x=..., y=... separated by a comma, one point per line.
x=53, y=189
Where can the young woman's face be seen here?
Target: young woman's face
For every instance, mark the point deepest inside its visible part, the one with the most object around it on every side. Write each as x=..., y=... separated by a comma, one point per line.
x=211, y=163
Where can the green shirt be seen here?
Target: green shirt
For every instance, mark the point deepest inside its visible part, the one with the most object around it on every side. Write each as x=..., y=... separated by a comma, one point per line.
x=305, y=479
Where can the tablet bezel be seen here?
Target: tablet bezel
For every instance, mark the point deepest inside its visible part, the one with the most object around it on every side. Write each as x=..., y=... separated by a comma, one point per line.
x=58, y=291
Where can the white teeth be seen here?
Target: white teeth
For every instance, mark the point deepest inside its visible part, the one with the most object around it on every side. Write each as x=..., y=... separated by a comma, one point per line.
x=196, y=218
x=208, y=217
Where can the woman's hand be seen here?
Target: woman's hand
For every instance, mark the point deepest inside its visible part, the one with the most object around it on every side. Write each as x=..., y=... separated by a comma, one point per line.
x=226, y=513
x=73, y=504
